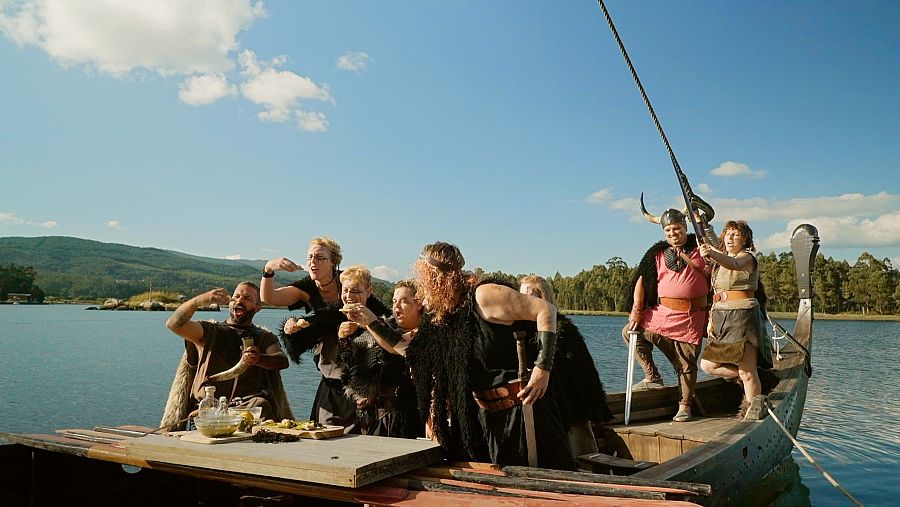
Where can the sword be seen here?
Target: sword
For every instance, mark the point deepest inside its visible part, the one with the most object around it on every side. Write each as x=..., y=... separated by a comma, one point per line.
x=527, y=410
x=629, y=377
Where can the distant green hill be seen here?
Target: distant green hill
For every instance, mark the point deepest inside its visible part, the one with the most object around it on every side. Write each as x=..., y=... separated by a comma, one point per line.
x=80, y=268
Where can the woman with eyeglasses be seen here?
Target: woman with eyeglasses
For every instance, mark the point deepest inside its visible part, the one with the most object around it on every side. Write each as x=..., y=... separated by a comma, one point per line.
x=319, y=295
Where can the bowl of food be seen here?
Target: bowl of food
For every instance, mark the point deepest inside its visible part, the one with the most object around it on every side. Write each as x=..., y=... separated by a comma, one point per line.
x=256, y=412
x=218, y=425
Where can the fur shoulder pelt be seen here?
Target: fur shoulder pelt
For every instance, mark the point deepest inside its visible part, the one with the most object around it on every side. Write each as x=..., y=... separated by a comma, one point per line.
x=577, y=374
x=439, y=359
x=321, y=324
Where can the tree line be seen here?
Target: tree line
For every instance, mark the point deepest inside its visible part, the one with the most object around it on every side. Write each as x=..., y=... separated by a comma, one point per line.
x=870, y=286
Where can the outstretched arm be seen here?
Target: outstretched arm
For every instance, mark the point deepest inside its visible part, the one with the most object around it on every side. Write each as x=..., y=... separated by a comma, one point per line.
x=280, y=296
x=180, y=322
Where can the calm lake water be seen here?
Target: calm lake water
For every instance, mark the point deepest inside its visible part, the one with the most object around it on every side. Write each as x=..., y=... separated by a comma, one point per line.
x=64, y=367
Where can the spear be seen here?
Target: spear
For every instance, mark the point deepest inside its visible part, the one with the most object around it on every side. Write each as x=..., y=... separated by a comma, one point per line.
x=691, y=200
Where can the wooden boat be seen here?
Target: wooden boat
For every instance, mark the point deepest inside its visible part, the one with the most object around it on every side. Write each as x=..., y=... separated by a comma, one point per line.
x=713, y=460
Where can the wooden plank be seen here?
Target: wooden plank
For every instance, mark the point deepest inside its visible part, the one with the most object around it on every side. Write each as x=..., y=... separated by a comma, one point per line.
x=644, y=447
x=670, y=448
x=349, y=461
x=328, y=431
x=200, y=438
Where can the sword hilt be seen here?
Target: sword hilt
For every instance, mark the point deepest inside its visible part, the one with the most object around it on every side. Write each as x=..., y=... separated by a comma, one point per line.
x=524, y=373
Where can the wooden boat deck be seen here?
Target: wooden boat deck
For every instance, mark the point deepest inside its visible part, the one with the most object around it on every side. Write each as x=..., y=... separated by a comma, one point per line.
x=92, y=460
x=663, y=439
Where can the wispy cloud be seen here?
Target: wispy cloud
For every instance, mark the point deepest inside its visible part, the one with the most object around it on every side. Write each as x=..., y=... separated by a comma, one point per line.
x=165, y=37
x=279, y=92
x=600, y=196
x=881, y=231
x=7, y=218
x=198, y=39
x=115, y=225
x=731, y=169
x=386, y=273
x=848, y=220
x=355, y=61
x=205, y=89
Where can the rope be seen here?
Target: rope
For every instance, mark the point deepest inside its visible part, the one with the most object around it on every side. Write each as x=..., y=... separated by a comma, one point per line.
x=810, y=458
x=640, y=86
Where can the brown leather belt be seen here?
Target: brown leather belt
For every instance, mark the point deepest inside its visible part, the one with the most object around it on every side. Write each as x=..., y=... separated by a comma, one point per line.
x=684, y=304
x=733, y=295
x=499, y=398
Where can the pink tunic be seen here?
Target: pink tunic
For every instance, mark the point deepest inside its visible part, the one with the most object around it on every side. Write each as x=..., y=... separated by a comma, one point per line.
x=688, y=283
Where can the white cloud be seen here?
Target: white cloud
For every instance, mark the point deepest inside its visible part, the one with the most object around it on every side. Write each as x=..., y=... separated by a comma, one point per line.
x=704, y=189
x=115, y=224
x=7, y=218
x=115, y=37
x=729, y=169
x=311, y=121
x=385, y=273
x=279, y=92
x=355, y=61
x=205, y=89
x=233, y=257
x=844, y=205
x=10, y=219
x=841, y=232
x=600, y=196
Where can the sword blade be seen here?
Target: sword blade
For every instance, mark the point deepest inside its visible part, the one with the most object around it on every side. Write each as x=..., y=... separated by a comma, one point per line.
x=629, y=377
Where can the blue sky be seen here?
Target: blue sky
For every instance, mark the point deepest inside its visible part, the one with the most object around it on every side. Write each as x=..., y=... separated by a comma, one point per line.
x=513, y=129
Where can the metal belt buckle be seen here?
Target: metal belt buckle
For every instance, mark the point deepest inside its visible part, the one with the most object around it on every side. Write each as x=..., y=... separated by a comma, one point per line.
x=721, y=296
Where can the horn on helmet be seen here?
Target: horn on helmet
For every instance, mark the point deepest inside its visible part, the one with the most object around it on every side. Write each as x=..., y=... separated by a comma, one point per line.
x=650, y=218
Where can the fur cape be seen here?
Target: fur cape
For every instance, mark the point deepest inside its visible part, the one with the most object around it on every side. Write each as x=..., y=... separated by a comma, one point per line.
x=321, y=323
x=582, y=395
x=180, y=401
x=439, y=359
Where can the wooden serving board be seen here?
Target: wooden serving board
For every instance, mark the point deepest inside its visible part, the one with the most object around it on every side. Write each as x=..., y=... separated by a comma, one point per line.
x=327, y=432
x=350, y=461
x=200, y=438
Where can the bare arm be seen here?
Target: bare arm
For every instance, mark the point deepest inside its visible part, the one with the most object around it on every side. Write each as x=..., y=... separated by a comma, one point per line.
x=502, y=305
x=180, y=322
x=743, y=261
x=280, y=296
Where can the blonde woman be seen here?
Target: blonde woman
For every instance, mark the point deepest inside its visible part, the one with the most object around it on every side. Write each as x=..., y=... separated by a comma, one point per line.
x=320, y=295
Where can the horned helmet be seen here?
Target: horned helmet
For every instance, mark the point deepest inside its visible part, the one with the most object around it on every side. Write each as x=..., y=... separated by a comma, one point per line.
x=674, y=216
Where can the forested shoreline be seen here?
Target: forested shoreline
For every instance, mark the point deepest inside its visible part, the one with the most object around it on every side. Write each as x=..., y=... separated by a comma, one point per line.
x=868, y=287
x=72, y=269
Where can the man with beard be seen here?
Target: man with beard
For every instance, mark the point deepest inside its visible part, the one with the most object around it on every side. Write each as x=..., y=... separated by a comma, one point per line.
x=465, y=367
x=668, y=306
x=217, y=346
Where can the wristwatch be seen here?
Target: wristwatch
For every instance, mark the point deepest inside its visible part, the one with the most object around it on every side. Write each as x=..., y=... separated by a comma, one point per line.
x=266, y=274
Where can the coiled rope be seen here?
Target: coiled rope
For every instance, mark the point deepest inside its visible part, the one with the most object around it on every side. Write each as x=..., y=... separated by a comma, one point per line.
x=808, y=457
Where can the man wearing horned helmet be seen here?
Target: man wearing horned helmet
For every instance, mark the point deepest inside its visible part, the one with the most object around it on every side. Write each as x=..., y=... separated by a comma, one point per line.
x=669, y=306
